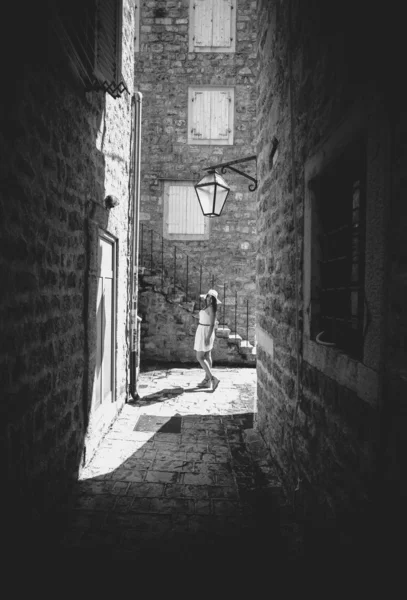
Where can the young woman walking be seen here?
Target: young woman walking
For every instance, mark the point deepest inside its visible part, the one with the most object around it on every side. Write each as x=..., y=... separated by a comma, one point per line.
x=205, y=337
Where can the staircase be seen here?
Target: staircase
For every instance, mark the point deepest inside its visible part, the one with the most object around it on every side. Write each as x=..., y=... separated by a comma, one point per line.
x=169, y=305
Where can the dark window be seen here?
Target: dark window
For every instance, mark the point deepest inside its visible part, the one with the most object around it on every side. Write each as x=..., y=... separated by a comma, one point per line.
x=339, y=226
x=90, y=32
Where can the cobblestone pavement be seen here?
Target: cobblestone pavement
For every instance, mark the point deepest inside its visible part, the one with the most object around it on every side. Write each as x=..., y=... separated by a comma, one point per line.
x=183, y=475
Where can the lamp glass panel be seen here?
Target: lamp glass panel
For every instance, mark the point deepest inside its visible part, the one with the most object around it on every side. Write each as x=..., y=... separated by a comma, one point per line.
x=221, y=195
x=205, y=196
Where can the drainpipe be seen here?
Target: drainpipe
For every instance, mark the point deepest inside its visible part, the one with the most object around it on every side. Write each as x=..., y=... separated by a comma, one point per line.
x=134, y=318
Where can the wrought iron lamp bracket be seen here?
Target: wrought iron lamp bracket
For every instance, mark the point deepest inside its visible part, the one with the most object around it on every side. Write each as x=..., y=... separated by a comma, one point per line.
x=224, y=166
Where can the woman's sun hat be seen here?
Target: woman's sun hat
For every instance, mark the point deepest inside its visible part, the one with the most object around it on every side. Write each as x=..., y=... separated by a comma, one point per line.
x=213, y=293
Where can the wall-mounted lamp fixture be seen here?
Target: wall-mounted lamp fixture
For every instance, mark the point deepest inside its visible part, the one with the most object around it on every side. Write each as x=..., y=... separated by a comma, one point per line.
x=212, y=190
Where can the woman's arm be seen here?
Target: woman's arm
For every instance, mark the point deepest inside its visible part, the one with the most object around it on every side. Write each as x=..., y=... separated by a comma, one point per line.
x=211, y=326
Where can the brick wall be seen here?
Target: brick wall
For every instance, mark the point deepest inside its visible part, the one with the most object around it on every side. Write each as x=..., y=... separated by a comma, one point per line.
x=63, y=151
x=164, y=70
x=325, y=428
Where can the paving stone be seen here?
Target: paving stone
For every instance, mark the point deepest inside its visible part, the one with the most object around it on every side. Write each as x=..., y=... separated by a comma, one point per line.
x=169, y=455
x=145, y=490
x=164, y=476
x=171, y=506
x=219, y=491
x=139, y=505
x=203, y=507
x=123, y=504
x=130, y=475
x=173, y=465
x=196, y=491
x=198, y=479
x=174, y=490
x=226, y=507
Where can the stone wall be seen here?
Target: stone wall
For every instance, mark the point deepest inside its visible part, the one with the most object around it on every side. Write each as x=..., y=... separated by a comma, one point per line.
x=63, y=152
x=169, y=323
x=164, y=70
x=320, y=410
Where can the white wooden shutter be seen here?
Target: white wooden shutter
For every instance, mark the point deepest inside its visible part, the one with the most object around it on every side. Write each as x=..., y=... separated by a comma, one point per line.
x=202, y=35
x=201, y=115
x=184, y=213
x=195, y=218
x=220, y=110
x=222, y=23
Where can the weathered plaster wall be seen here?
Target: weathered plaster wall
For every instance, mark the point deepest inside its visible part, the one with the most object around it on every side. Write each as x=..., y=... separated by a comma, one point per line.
x=324, y=427
x=164, y=70
x=63, y=152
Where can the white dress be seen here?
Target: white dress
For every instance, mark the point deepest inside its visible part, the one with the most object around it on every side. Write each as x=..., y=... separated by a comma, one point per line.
x=204, y=323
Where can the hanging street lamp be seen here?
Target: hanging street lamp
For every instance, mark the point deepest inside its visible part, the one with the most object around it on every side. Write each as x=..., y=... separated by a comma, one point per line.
x=212, y=190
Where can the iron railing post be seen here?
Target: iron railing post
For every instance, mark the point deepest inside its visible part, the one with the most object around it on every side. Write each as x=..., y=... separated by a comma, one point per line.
x=186, y=286
x=141, y=243
x=162, y=262
x=151, y=250
x=236, y=312
x=224, y=304
x=175, y=265
x=200, y=284
x=247, y=321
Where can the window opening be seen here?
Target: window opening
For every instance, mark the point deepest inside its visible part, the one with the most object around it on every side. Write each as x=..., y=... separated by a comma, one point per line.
x=338, y=300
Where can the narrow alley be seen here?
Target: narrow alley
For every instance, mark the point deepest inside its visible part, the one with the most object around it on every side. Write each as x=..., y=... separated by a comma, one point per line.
x=119, y=122
x=182, y=473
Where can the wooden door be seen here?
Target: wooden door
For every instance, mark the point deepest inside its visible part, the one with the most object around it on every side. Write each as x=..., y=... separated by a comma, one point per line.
x=104, y=382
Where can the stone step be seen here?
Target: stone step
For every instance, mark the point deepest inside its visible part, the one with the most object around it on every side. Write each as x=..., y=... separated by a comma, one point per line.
x=235, y=338
x=245, y=347
x=223, y=332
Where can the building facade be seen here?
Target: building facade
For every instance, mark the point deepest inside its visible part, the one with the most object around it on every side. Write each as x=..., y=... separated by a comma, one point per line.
x=195, y=65
x=331, y=321
x=66, y=228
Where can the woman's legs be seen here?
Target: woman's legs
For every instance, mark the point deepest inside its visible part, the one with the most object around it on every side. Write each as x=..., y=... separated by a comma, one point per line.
x=203, y=361
x=208, y=359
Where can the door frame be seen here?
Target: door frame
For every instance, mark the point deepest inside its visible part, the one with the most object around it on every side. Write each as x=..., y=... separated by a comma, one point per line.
x=102, y=234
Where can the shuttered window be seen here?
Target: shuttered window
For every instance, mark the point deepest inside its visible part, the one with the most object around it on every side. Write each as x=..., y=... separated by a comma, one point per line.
x=212, y=25
x=183, y=218
x=91, y=36
x=108, y=54
x=210, y=115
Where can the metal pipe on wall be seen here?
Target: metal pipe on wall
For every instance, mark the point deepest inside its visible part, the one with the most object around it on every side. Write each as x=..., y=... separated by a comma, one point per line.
x=134, y=318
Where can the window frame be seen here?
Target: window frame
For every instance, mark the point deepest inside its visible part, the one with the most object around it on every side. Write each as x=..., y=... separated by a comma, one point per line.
x=231, y=115
x=337, y=280
x=220, y=49
x=359, y=375
x=181, y=236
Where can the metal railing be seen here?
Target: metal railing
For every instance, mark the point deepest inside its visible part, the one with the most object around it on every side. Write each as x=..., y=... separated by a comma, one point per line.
x=179, y=273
